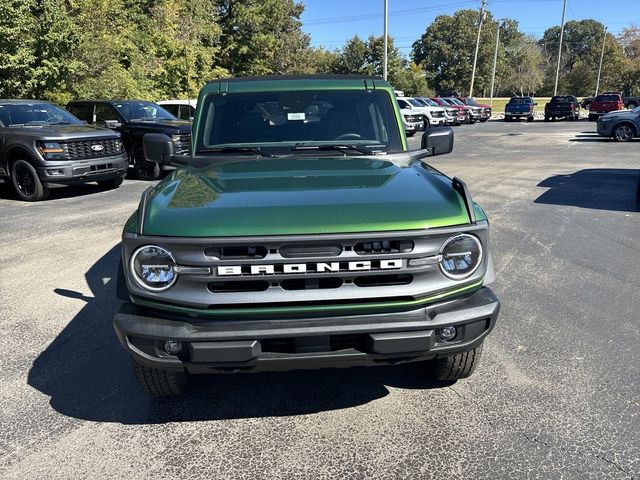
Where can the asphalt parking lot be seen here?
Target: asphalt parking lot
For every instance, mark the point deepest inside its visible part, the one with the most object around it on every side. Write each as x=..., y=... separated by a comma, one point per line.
x=556, y=396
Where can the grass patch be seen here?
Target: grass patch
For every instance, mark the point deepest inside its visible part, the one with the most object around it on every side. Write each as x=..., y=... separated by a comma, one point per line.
x=500, y=102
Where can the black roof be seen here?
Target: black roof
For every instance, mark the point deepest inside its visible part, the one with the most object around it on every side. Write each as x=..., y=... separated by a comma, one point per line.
x=113, y=100
x=296, y=77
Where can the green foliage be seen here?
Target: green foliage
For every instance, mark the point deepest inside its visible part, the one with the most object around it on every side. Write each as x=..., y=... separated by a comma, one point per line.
x=367, y=58
x=582, y=46
x=17, y=47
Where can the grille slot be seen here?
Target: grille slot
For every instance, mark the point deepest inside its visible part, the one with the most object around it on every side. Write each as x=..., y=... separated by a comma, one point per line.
x=311, y=283
x=310, y=251
x=237, y=252
x=239, y=286
x=383, y=280
x=82, y=149
x=383, y=246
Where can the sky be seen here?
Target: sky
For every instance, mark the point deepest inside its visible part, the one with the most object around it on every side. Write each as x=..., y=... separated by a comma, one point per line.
x=331, y=22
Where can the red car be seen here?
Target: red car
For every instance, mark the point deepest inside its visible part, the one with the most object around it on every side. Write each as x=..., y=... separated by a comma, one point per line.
x=605, y=103
x=463, y=113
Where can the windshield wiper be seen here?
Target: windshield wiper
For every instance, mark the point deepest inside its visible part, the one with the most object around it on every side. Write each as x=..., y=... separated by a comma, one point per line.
x=340, y=146
x=245, y=150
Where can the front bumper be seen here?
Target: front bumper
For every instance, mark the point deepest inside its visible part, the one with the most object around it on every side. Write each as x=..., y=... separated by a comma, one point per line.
x=519, y=114
x=605, y=128
x=411, y=127
x=227, y=346
x=69, y=172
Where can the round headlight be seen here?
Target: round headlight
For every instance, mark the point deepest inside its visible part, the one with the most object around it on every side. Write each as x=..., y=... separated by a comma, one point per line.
x=153, y=268
x=461, y=256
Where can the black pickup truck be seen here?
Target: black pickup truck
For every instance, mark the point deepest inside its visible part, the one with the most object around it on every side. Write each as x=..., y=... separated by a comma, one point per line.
x=562, y=106
x=629, y=102
x=133, y=119
x=43, y=145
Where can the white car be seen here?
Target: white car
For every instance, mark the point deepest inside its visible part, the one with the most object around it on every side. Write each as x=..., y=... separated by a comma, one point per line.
x=413, y=122
x=183, y=109
x=433, y=116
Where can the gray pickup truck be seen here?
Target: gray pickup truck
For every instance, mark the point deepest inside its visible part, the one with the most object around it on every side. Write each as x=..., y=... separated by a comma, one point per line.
x=42, y=145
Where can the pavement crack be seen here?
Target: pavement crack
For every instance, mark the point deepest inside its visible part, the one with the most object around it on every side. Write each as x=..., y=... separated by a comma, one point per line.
x=577, y=452
x=485, y=415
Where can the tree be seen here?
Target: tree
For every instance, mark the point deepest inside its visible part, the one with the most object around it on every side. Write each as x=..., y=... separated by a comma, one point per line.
x=525, y=67
x=581, y=48
x=17, y=52
x=261, y=36
x=629, y=39
x=446, y=49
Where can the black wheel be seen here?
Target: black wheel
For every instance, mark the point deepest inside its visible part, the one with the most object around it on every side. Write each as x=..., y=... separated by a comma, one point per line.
x=592, y=118
x=426, y=125
x=507, y=119
x=623, y=133
x=632, y=105
x=111, y=183
x=546, y=119
x=530, y=119
x=144, y=170
x=26, y=182
x=160, y=383
x=411, y=134
x=456, y=366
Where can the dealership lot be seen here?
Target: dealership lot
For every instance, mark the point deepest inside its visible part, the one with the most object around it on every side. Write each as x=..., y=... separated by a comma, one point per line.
x=556, y=395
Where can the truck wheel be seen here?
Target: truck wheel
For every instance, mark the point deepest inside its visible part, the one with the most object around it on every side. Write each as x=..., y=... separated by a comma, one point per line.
x=592, y=118
x=546, y=118
x=426, y=125
x=623, y=133
x=530, y=119
x=456, y=366
x=26, y=182
x=160, y=383
x=507, y=119
x=111, y=183
x=144, y=170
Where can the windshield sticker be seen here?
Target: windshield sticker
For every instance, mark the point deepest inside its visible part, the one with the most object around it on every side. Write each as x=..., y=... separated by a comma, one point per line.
x=296, y=116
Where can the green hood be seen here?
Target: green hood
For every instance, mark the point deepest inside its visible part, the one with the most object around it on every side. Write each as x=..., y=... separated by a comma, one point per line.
x=302, y=196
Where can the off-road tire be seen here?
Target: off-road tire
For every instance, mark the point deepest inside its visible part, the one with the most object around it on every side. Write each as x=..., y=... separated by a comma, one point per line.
x=26, y=182
x=111, y=183
x=144, y=170
x=160, y=383
x=456, y=366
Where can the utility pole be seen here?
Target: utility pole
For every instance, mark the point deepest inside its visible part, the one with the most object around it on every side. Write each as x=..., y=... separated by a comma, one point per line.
x=604, y=41
x=495, y=62
x=564, y=10
x=386, y=15
x=475, y=56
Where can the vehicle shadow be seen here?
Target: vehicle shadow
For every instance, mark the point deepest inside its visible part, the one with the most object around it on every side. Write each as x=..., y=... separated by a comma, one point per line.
x=596, y=188
x=7, y=191
x=88, y=376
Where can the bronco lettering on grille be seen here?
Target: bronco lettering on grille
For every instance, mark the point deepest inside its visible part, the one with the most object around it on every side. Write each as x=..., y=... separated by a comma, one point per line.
x=293, y=268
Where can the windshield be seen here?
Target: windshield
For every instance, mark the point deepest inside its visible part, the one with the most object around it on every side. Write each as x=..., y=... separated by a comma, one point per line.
x=429, y=102
x=455, y=101
x=561, y=99
x=142, y=111
x=35, y=114
x=520, y=100
x=282, y=121
x=415, y=102
x=607, y=98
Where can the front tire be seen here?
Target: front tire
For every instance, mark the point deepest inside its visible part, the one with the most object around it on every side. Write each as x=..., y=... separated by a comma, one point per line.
x=111, y=183
x=456, y=366
x=26, y=182
x=592, y=118
x=144, y=170
x=530, y=119
x=623, y=133
x=160, y=383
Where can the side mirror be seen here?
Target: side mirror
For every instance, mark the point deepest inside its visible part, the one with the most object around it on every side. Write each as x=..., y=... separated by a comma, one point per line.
x=158, y=148
x=112, y=124
x=439, y=140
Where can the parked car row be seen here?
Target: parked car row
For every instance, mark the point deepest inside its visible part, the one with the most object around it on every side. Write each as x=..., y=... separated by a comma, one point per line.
x=43, y=145
x=421, y=113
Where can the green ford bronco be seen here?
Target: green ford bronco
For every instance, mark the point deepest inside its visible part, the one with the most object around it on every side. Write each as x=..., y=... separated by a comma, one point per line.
x=302, y=233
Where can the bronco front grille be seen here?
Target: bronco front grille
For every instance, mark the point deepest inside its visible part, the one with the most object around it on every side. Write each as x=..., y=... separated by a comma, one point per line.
x=92, y=148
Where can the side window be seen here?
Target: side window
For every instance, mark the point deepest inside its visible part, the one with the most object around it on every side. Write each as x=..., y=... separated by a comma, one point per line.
x=403, y=104
x=105, y=112
x=172, y=109
x=82, y=111
x=184, y=112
